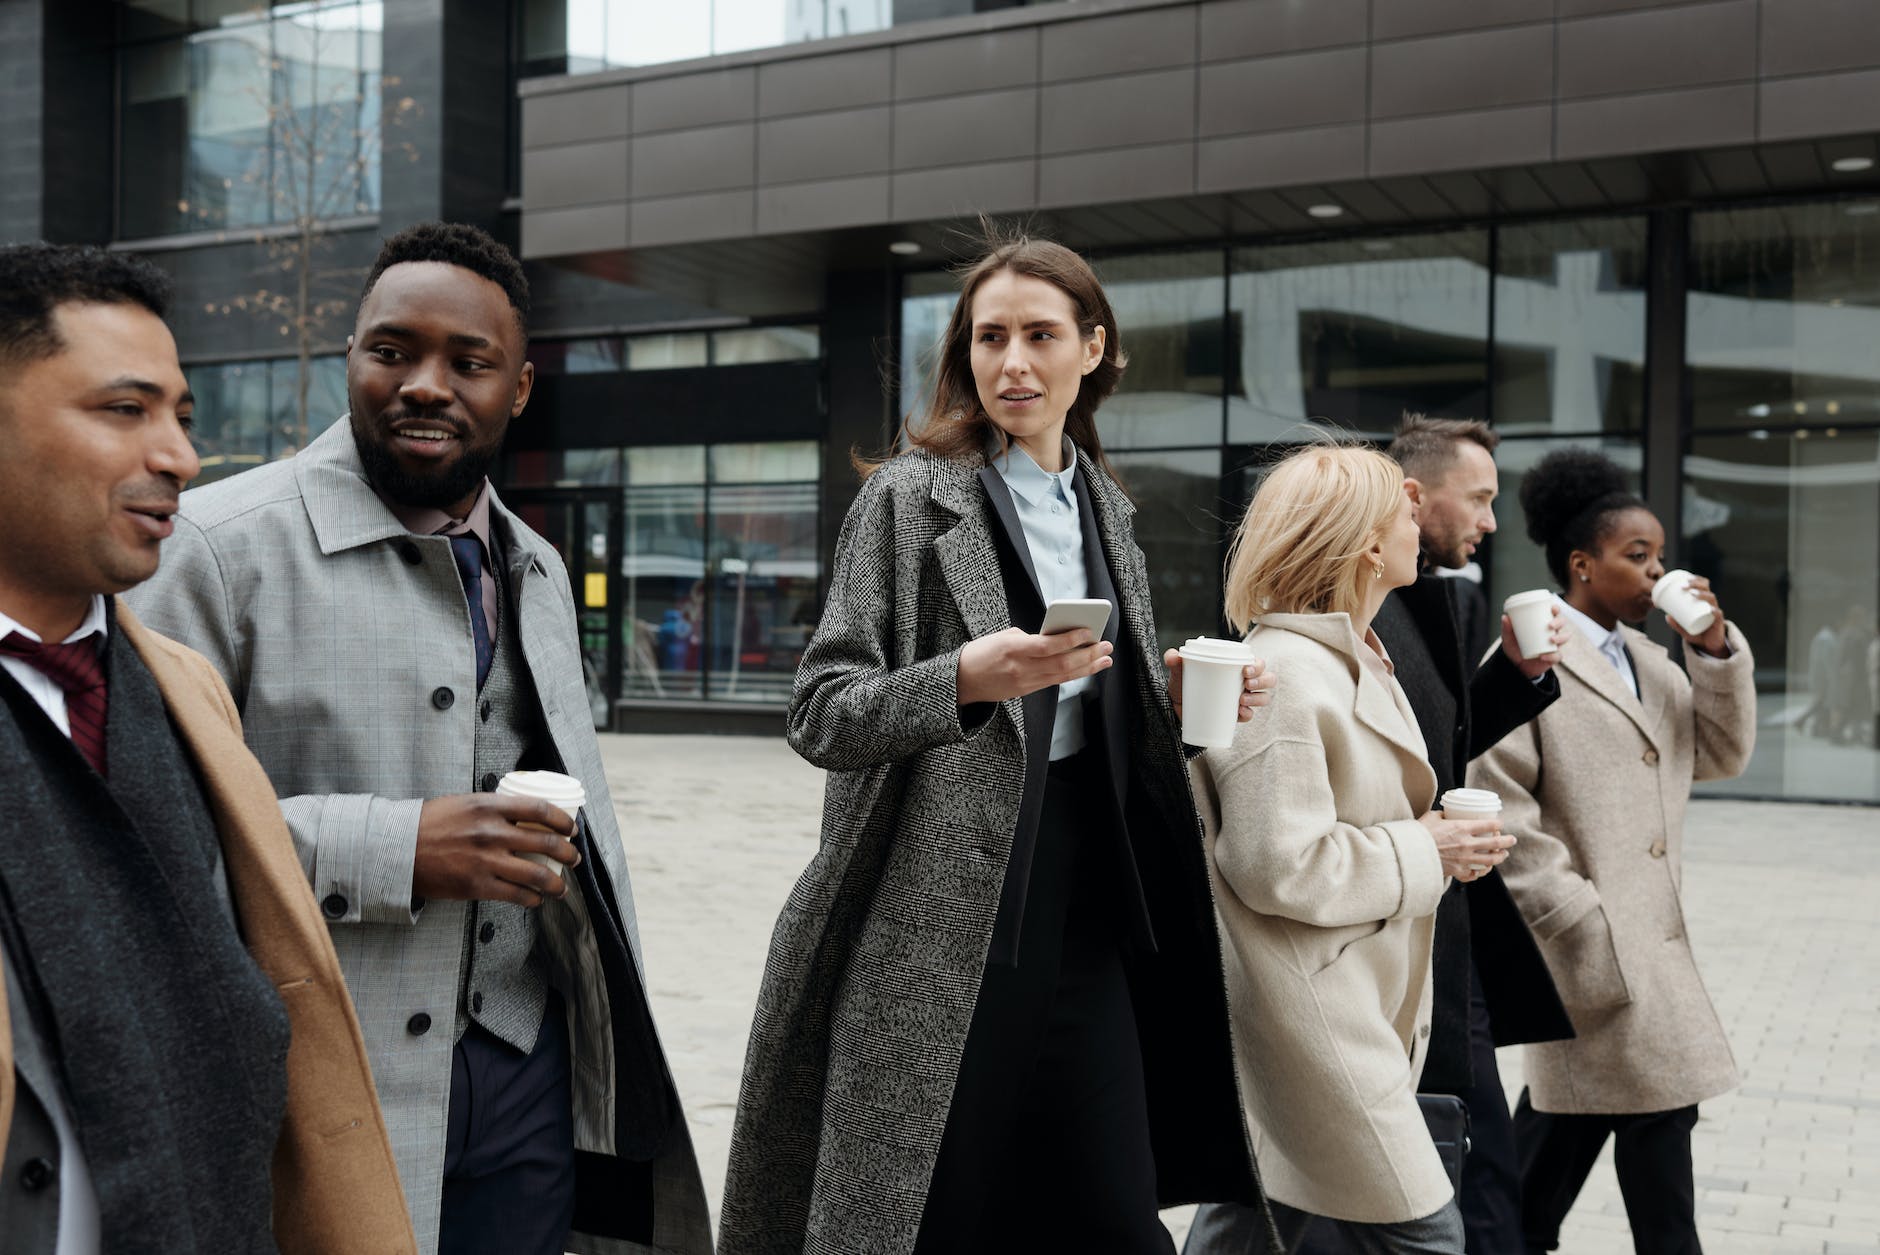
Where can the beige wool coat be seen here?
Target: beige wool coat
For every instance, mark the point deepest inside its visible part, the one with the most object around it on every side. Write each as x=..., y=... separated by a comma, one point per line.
x=1326, y=887
x=1594, y=791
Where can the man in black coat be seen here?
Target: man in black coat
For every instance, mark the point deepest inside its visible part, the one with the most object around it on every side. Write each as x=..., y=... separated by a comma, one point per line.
x=1491, y=985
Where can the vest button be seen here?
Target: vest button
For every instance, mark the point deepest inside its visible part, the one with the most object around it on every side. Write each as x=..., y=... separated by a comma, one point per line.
x=476, y=1002
x=442, y=698
x=36, y=1174
x=484, y=714
x=485, y=933
x=409, y=552
x=418, y=1025
x=489, y=782
x=334, y=905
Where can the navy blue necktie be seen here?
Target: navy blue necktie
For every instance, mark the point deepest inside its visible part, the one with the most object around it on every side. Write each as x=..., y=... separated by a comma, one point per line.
x=468, y=551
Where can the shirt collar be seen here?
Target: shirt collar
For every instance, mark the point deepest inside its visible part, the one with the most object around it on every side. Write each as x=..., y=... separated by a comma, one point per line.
x=95, y=622
x=1027, y=479
x=427, y=521
x=1599, y=637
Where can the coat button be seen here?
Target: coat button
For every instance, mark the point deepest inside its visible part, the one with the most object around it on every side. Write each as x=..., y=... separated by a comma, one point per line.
x=36, y=1174
x=418, y=1025
x=1651, y=758
x=409, y=552
x=486, y=932
x=334, y=905
x=476, y=1002
x=1423, y=1030
x=442, y=698
x=1658, y=848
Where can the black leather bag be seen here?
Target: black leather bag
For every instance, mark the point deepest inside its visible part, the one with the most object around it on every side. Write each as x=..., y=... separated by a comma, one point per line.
x=1448, y=1119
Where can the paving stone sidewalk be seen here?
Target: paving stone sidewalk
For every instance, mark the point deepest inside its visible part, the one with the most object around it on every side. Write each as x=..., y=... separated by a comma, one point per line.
x=1784, y=910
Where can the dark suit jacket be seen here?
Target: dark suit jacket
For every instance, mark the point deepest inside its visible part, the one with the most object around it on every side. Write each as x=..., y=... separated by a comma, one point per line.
x=1477, y=921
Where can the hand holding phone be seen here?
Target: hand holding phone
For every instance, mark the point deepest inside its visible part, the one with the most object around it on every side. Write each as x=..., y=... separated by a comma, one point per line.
x=1067, y=614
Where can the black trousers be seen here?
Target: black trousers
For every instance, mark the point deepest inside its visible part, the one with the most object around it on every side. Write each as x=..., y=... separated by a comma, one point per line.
x=1491, y=1172
x=1651, y=1155
x=509, y=1154
x=1047, y=1140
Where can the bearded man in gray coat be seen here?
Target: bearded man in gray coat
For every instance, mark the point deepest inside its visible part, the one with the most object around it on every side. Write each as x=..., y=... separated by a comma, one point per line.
x=397, y=642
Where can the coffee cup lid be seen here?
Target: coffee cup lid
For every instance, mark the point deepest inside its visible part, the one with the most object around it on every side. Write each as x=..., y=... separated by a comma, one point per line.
x=1472, y=799
x=549, y=786
x=1522, y=599
x=1212, y=649
x=1671, y=580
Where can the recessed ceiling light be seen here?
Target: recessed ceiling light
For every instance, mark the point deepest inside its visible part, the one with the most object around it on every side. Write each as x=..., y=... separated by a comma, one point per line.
x=1852, y=165
x=1325, y=211
x=904, y=248
x=1378, y=246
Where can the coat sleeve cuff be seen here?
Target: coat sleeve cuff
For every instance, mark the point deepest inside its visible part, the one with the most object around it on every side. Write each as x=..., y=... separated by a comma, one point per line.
x=1422, y=869
x=358, y=851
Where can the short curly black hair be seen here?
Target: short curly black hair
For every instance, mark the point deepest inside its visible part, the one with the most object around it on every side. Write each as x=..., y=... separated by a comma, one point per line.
x=457, y=244
x=36, y=279
x=1571, y=498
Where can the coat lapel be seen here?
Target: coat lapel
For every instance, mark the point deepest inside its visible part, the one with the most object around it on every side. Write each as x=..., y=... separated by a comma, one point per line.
x=969, y=560
x=1590, y=667
x=1113, y=512
x=1006, y=512
x=1649, y=660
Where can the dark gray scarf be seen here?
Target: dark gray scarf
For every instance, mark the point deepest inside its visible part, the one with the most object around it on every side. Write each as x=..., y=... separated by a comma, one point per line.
x=170, y=1044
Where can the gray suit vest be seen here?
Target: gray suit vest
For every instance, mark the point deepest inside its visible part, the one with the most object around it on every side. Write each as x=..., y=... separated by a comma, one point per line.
x=505, y=985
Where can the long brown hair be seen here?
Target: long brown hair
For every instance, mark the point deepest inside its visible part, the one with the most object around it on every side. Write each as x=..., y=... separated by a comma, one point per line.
x=956, y=424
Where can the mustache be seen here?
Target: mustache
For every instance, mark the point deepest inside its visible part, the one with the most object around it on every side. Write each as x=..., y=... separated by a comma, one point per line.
x=158, y=495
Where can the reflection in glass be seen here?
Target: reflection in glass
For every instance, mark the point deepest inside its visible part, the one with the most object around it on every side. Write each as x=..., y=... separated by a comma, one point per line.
x=1170, y=309
x=1787, y=527
x=1358, y=331
x=248, y=413
x=663, y=568
x=667, y=352
x=1515, y=563
x=1570, y=326
x=1784, y=315
x=1178, y=527
x=766, y=344
x=764, y=569
x=583, y=36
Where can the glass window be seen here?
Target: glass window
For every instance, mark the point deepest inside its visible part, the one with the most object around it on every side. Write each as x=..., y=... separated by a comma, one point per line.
x=1784, y=315
x=766, y=344
x=248, y=413
x=1178, y=528
x=927, y=300
x=1570, y=327
x=1357, y=331
x=769, y=463
x=663, y=571
x=259, y=116
x=594, y=357
x=764, y=570
x=667, y=352
x=581, y=36
x=1171, y=309
x=1514, y=562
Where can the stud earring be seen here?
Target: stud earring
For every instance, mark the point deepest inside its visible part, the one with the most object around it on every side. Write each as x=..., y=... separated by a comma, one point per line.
x=1585, y=578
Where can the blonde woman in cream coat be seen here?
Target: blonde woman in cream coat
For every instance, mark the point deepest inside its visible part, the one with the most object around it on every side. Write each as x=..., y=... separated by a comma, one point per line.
x=1327, y=863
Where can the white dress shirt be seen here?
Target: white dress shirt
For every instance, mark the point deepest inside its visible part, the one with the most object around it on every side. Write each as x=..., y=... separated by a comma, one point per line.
x=1046, y=502
x=78, y=1201
x=1608, y=643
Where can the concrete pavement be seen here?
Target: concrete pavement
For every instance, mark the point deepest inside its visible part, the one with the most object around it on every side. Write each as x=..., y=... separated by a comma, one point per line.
x=1784, y=906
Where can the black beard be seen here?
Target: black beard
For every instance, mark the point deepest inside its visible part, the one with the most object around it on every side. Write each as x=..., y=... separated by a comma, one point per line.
x=439, y=490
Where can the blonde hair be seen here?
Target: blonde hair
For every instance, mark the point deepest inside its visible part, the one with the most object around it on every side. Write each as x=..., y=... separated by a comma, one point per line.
x=1300, y=549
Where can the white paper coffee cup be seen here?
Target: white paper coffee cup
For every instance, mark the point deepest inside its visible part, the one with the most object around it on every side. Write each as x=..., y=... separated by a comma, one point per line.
x=1471, y=804
x=1213, y=676
x=1672, y=594
x=552, y=787
x=1531, y=613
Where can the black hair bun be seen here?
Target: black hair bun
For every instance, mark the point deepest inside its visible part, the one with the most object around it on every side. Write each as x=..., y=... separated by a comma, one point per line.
x=1564, y=483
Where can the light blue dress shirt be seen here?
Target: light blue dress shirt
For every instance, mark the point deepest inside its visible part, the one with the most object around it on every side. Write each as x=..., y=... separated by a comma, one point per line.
x=1047, y=510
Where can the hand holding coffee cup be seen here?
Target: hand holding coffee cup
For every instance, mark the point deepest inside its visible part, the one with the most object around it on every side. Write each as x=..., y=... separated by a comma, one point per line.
x=1467, y=833
x=1692, y=610
x=480, y=847
x=1260, y=681
x=564, y=793
x=1213, y=689
x=1532, y=631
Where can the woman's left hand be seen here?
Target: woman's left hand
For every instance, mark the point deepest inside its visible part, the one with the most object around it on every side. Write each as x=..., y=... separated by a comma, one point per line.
x=1256, y=689
x=1714, y=641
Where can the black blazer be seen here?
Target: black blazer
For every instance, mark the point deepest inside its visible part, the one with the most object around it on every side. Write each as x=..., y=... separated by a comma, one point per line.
x=1478, y=922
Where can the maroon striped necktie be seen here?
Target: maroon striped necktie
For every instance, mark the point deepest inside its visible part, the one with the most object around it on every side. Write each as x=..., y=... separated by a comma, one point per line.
x=76, y=668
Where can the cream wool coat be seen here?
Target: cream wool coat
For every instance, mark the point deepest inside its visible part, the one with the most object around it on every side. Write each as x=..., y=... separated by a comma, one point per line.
x=1594, y=790
x=1326, y=887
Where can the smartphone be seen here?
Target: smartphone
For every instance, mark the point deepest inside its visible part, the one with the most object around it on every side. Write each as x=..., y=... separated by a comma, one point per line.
x=1069, y=613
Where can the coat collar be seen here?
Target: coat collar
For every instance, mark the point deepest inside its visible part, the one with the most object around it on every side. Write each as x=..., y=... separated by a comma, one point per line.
x=1647, y=710
x=347, y=514
x=1372, y=704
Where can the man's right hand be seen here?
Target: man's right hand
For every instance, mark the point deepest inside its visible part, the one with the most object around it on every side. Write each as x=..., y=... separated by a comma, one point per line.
x=470, y=849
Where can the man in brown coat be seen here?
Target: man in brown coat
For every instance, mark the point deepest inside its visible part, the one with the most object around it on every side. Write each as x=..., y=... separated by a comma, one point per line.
x=180, y=1068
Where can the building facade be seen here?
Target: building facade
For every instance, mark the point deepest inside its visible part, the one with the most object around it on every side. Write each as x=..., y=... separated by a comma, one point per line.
x=1649, y=227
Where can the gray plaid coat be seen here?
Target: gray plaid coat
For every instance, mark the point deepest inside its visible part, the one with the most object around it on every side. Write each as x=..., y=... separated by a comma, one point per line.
x=298, y=583
x=876, y=960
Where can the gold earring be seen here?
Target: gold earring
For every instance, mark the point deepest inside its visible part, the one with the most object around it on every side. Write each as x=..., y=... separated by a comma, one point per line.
x=1377, y=572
